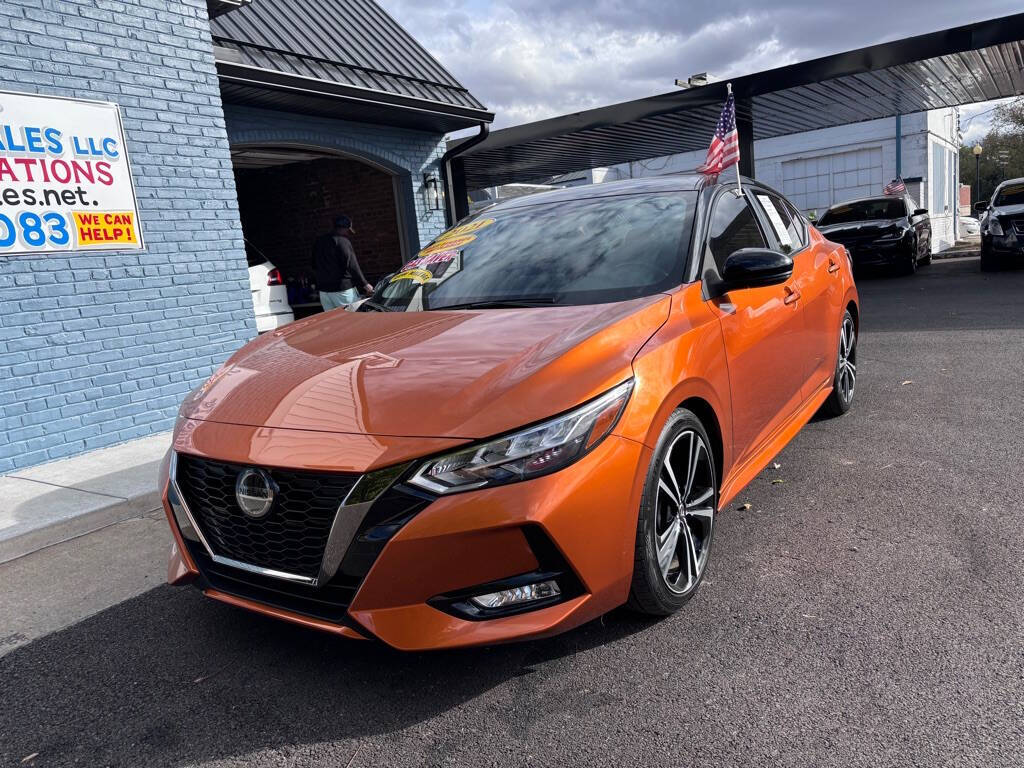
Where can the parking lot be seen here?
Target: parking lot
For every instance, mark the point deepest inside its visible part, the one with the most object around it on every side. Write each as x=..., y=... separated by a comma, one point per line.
x=865, y=610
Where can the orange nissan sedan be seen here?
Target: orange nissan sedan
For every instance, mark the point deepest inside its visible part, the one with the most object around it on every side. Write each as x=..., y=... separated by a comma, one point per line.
x=533, y=422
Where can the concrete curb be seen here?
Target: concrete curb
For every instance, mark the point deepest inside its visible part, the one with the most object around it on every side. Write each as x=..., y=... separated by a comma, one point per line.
x=77, y=525
x=61, y=500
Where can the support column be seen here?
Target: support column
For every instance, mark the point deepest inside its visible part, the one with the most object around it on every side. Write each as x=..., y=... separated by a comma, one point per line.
x=899, y=147
x=745, y=130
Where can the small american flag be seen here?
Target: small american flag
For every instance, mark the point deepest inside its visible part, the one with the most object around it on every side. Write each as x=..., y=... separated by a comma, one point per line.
x=725, y=144
x=895, y=187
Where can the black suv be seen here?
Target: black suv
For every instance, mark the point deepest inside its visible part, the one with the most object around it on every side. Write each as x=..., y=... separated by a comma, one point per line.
x=1002, y=226
x=885, y=231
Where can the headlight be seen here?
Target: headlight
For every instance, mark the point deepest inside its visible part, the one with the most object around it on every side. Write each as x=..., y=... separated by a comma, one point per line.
x=529, y=453
x=898, y=234
x=994, y=227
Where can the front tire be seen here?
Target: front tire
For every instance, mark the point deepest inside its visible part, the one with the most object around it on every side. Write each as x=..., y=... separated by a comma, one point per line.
x=844, y=381
x=909, y=266
x=677, y=517
x=988, y=261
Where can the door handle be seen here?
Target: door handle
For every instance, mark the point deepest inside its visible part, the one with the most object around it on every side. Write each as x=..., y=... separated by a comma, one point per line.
x=791, y=295
x=833, y=266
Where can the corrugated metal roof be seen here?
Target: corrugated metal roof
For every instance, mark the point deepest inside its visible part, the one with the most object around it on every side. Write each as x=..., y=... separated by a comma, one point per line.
x=976, y=62
x=352, y=42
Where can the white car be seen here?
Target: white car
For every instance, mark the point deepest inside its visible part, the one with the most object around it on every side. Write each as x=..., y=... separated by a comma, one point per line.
x=269, y=297
x=969, y=227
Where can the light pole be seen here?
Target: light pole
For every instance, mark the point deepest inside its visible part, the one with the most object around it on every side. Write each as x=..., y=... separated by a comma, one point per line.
x=977, y=169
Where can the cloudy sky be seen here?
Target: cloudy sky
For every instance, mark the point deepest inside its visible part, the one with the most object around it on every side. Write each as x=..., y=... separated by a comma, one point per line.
x=531, y=59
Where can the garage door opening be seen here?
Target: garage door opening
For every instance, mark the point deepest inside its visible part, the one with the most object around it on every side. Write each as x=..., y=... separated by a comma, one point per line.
x=287, y=197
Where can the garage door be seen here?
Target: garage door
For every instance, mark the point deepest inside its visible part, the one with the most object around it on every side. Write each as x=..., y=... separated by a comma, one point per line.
x=815, y=183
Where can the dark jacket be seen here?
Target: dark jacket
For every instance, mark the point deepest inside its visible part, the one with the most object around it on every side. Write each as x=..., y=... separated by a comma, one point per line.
x=335, y=266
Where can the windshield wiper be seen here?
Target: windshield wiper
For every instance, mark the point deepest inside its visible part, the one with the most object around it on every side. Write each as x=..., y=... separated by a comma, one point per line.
x=498, y=304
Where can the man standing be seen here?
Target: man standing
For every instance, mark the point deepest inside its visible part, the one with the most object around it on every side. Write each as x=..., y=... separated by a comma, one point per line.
x=338, y=276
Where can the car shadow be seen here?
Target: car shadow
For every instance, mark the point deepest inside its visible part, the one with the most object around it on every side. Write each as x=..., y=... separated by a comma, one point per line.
x=193, y=680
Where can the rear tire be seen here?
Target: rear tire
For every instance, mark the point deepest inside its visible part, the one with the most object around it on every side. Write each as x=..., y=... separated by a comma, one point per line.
x=844, y=380
x=675, y=525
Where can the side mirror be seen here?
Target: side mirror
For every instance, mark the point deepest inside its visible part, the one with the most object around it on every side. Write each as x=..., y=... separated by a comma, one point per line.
x=981, y=205
x=920, y=211
x=754, y=268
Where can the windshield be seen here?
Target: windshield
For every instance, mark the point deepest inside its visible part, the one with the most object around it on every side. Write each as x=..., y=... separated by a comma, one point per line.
x=588, y=251
x=1011, y=194
x=864, y=210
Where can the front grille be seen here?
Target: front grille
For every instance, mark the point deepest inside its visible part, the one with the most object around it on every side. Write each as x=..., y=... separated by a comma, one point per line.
x=292, y=536
x=1018, y=226
x=327, y=602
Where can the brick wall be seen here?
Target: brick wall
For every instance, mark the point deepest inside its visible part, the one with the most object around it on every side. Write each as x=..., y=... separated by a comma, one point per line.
x=286, y=207
x=99, y=348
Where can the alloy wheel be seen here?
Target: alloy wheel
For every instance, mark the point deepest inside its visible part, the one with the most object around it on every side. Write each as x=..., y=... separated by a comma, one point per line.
x=846, y=376
x=684, y=511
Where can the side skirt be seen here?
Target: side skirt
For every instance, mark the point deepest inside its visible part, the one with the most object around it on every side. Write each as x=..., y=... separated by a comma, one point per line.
x=742, y=475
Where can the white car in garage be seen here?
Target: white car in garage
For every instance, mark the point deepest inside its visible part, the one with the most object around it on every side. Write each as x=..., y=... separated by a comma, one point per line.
x=269, y=292
x=969, y=227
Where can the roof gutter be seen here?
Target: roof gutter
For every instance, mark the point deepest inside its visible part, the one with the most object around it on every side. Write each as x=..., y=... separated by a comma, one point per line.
x=217, y=8
x=455, y=188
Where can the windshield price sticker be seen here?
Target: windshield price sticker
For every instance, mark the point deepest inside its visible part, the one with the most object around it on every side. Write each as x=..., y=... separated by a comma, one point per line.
x=777, y=223
x=65, y=181
x=467, y=229
x=434, y=258
x=416, y=275
x=448, y=244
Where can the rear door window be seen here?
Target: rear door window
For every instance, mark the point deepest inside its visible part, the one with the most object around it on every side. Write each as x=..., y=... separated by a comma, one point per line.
x=786, y=227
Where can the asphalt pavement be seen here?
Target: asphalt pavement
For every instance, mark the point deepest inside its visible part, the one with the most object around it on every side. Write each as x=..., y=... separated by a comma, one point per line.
x=865, y=610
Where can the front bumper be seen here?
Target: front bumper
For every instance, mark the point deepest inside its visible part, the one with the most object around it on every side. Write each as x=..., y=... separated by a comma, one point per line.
x=880, y=253
x=579, y=522
x=1008, y=246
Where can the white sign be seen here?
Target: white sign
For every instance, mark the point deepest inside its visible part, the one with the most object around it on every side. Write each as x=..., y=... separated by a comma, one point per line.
x=777, y=223
x=65, y=181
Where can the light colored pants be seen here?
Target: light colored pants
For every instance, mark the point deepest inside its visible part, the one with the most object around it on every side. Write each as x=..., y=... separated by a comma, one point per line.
x=336, y=299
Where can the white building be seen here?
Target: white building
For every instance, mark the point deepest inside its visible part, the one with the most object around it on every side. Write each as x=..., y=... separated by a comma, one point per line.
x=816, y=169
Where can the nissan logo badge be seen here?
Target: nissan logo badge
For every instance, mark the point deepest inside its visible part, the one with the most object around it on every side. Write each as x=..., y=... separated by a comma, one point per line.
x=254, y=492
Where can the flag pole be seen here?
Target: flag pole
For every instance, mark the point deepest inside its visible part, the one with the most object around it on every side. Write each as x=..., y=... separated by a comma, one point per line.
x=739, y=182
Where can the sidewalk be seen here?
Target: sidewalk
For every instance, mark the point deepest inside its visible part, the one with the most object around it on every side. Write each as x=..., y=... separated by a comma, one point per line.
x=968, y=246
x=64, y=499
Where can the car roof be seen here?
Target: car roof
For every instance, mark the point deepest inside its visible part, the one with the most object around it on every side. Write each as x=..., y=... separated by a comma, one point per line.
x=873, y=198
x=676, y=182
x=1005, y=182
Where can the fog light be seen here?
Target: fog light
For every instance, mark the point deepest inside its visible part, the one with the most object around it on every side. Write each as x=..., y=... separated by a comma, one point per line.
x=518, y=595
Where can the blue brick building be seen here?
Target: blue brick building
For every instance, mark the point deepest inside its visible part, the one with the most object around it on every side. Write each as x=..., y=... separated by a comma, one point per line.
x=298, y=109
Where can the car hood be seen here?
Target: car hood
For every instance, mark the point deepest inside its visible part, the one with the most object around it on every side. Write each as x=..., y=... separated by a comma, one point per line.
x=861, y=229
x=1008, y=210
x=465, y=374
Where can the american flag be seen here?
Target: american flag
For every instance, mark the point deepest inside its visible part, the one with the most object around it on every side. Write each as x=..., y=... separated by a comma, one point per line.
x=725, y=144
x=895, y=187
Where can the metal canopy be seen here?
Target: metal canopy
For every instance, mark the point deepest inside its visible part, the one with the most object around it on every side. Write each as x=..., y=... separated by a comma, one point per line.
x=975, y=62
x=341, y=58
